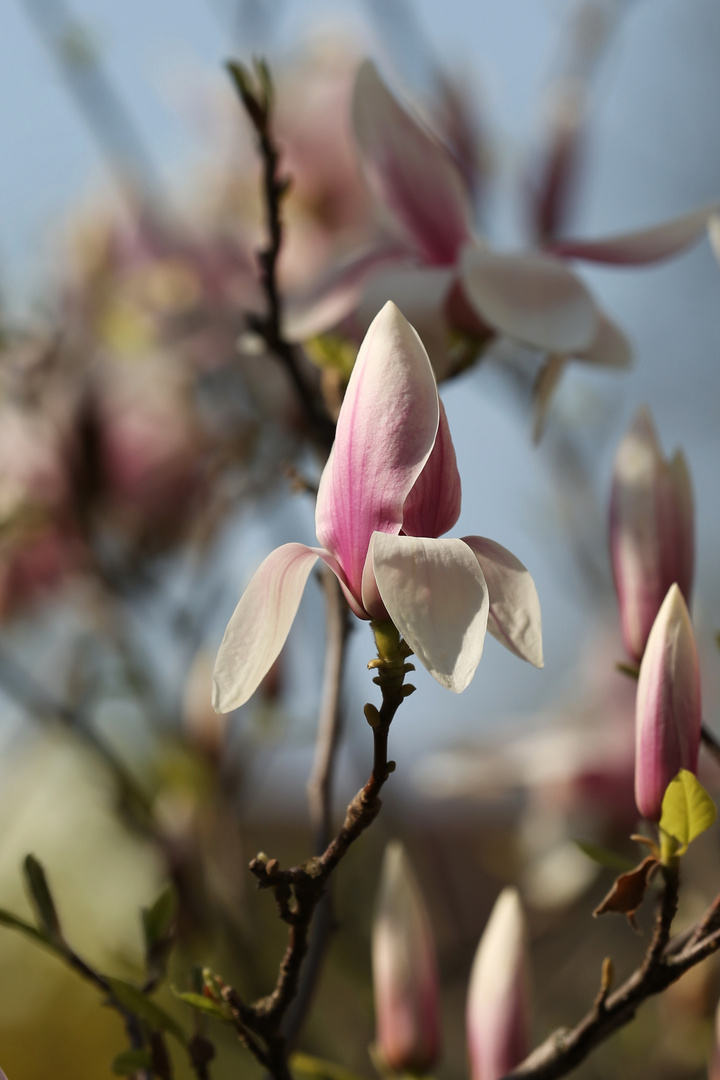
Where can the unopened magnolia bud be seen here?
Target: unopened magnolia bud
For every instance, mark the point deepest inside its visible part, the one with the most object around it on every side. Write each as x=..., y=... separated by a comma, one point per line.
x=652, y=532
x=404, y=970
x=668, y=709
x=714, y=1063
x=498, y=1000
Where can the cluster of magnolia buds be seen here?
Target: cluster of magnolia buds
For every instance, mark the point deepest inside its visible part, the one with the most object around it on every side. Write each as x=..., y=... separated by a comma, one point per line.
x=406, y=982
x=652, y=548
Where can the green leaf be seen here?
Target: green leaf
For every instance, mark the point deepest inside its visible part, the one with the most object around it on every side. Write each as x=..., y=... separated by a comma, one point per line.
x=14, y=923
x=159, y=919
x=131, y=1061
x=307, y=1065
x=136, y=1002
x=609, y=859
x=203, y=1004
x=41, y=897
x=687, y=810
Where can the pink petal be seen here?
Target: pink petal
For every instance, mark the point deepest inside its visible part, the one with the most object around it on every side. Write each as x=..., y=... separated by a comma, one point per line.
x=644, y=245
x=514, y=617
x=405, y=978
x=668, y=710
x=260, y=624
x=338, y=294
x=531, y=297
x=651, y=529
x=420, y=292
x=433, y=505
x=409, y=171
x=385, y=432
x=498, y=999
x=436, y=595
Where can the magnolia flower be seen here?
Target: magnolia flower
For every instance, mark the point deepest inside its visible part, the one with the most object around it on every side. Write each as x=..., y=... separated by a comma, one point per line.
x=404, y=967
x=460, y=283
x=389, y=489
x=652, y=541
x=497, y=1006
x=668, y=711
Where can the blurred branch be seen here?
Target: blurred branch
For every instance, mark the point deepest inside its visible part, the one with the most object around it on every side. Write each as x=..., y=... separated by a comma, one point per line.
x=24, y=689
x=256, y=93
x=100, y=106
x=298, y=890
x=330, y=719
x=710, y=743
x=665, y=961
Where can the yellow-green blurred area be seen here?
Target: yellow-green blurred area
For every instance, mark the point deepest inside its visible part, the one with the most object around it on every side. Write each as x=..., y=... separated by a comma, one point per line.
x=152, y=453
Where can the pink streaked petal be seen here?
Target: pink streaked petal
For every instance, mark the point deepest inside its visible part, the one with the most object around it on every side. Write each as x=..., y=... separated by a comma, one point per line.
x=497, y=1014
x=436, y=595
x=420, y=292
x=260, y=624
x=533, y=298
x=514, y=617
x=385, y=432
x=410, y=171
x=338, y=294
x=642, y=246
x=609, y=348
x=433, y=505
x=405, y=979
x=668, y=706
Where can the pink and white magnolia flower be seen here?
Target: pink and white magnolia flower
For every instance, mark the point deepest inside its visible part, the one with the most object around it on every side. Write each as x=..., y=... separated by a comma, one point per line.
x=389, y=489
x=652, y=529
x=405, y=978
x=668, y=714
x=497, y=1015
x=446, y=277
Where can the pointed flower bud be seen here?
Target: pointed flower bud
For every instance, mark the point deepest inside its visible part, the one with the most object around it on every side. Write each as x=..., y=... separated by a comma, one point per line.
x=714, y=1063
x=652, y=535
x=668, y=711
x=404, y=970
x=498, y=998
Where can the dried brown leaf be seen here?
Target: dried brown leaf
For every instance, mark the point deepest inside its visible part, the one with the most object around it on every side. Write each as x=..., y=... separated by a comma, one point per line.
x=628, y=891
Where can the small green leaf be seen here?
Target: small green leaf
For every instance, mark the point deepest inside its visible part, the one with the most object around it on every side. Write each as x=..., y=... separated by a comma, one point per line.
x=42, y=900
x=307, y=1065
x=687, y=810
x=609, y=859
x=131, y=1061
x=14, y=923
x=136, y=1002
x=159, y=918
x=202, y=1004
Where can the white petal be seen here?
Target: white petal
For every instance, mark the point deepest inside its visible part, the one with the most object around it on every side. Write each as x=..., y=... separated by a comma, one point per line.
x=260, y=624
x=643, y=245
x=420, y=293
x=514, y=617
x=436, y=595
x=610, y=347
x=531, y=297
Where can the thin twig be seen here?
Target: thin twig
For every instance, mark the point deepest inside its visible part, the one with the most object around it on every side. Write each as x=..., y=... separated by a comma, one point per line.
x=320, y=791
x=665, y=961
x=299, y=889
x=256, y=95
